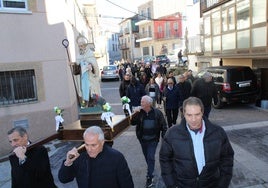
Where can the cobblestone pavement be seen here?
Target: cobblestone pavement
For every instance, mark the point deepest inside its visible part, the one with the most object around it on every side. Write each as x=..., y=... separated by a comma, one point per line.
x=249, y=140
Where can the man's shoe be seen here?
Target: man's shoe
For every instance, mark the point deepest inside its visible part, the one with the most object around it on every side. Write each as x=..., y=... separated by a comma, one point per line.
x=149, y=182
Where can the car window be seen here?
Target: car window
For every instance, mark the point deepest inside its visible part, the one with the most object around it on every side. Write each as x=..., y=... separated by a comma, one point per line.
x=218, y=75
x=241, y=74
x=107, y=68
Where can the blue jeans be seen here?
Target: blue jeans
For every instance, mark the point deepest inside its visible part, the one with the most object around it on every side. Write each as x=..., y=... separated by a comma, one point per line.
x=149, y=149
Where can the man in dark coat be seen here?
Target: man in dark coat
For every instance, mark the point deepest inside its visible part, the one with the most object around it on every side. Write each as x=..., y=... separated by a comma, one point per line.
x=150, y=124
x=173, y=99
x=205, y=89
x=100, y=166
x=29, y=167
x=197, y=153
x=135, y=91
x=185, y=89
x=180, y=57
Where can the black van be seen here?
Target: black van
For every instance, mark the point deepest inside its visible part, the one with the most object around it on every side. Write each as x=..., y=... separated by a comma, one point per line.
x=234, y=83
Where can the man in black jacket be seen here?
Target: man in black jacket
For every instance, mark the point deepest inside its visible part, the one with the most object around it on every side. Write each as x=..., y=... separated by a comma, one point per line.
x=205, y=89
x=29, y=167
x=150, y=123
x=100, y=166
x=197, y=153
x=172, y=101
x=185, y=89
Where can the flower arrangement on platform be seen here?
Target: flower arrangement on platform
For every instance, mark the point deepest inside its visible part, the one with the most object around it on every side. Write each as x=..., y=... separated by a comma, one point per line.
x=58, y=118
x=125, y=101
x=107, y=115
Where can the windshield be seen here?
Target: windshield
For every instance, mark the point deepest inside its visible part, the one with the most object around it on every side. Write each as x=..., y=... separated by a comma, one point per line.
x=107, y=68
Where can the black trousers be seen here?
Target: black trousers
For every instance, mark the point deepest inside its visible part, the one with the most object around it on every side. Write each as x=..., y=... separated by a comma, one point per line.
x=172, y=115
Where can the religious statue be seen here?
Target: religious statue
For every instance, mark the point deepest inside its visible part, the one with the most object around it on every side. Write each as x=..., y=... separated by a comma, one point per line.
x=89, y=76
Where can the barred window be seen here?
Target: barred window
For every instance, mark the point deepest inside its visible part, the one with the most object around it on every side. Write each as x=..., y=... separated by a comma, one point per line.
x=13, y=4
x=17, y=87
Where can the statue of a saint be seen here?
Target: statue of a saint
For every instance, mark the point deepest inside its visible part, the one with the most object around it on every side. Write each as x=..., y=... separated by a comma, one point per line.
x=90, y=82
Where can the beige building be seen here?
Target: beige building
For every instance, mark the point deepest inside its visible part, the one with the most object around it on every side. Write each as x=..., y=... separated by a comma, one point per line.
x=35, y=72
x=130, y=48
x=161, y=28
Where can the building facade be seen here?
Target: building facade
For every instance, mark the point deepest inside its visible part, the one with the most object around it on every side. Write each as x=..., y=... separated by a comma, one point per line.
x=235, y=33
x=113, y=48
x=128, y=34
x=159, y=29
x=35, y=66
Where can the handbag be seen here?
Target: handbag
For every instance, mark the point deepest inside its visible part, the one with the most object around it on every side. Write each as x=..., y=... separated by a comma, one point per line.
x=76, y=69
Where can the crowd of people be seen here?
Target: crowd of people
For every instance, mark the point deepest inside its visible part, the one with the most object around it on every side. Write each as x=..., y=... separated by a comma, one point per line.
x=193, y=154
x=182, y=164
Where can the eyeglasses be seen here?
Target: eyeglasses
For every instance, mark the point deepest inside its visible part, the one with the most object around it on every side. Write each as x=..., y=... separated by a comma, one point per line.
x=170, y=83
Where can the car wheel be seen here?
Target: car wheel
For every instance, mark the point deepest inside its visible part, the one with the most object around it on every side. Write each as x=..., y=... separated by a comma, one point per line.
x=219, y=104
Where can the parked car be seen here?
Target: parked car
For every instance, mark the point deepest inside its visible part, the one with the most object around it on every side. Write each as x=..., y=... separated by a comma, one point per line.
x=162, y=59
x=109, y=72
x=234, y=83
x=148, y=59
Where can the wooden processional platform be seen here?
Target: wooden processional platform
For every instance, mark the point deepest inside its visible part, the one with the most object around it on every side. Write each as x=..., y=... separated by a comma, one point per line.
x=75, y=130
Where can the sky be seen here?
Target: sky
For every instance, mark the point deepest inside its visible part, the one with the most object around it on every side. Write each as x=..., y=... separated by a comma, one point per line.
x=117, y=9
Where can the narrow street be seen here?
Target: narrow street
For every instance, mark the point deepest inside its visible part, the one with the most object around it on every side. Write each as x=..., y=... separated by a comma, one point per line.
x=246, y=126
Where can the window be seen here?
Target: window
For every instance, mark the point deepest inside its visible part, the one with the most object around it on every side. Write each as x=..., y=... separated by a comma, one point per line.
x=145, y=50
x=243, y=14
x=17, y=87
x=13, y=4
x=207, y=44
x=228, y=41
x=167, y=28
x=231, y=18
x=224, y=20
x=108, y=68
x=175, y=26
x=258, y=11
x=243, y=39
x=228, y=18
x=259, y=37
x=216, y=23
x=207, y=26
x=149, y=13
x=216, y=44
x=149, y=31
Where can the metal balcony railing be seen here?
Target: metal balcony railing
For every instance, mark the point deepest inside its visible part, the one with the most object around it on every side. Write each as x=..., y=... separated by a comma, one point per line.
x=147, y=34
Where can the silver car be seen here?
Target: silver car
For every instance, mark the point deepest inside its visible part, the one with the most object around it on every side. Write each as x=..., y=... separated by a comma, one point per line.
x=109, y=72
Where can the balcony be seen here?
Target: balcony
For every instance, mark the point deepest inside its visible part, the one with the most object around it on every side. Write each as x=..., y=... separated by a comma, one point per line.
x=126, y=30
x=166, y=35
x=143, y=22
x=145, y=36
x=123, y=46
